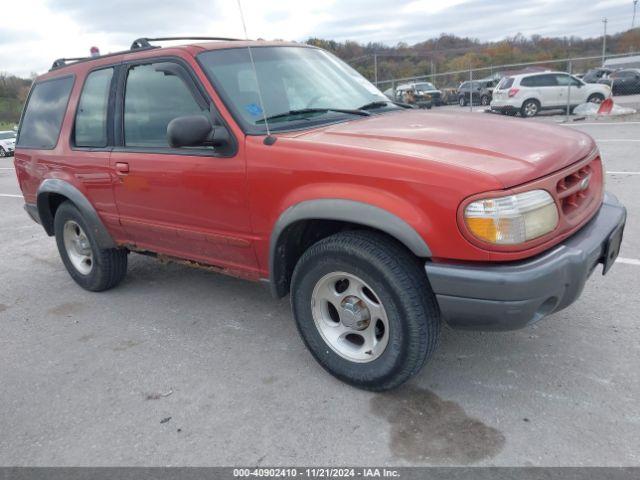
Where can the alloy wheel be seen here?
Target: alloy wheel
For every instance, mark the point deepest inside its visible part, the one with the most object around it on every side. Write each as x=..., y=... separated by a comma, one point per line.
x=350, y=317
x=78, y=247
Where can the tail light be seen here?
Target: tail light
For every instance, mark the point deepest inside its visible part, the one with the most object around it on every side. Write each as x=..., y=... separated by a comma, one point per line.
x=513, y=92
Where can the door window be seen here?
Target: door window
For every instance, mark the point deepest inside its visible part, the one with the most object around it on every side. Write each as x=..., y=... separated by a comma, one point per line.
x=91, y=116
x=156, y=94
x=539, y=81
x=566, y=80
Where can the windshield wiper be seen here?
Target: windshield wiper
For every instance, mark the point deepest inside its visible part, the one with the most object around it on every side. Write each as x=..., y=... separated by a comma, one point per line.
x=302, y=111
x=381, y=104
x=375, y=104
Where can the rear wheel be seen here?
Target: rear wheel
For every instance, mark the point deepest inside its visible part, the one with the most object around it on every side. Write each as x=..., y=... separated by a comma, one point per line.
x=3, y=152
x=530, y=108
x=462, y=102
x=365, y=310
x=484, y=100
x=92, y=267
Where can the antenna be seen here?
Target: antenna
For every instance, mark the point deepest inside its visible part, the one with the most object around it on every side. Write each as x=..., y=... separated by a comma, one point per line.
x=269, y=140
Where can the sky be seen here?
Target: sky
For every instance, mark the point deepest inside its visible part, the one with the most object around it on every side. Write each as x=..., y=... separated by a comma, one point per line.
x=39, y=31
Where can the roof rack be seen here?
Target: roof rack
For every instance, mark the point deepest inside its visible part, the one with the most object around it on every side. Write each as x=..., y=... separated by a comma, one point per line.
x=139, y=44
x=61, y=62
x=144, y=41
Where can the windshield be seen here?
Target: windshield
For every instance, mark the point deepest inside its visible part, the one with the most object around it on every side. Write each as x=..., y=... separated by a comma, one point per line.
x=7, y=135
x=300, y=80
x=425, y=86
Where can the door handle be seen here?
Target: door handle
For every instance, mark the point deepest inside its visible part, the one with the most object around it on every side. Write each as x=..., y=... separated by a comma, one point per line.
x=122, y=168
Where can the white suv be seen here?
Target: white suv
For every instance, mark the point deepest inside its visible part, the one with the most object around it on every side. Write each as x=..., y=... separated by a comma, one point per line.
x=7, y=143
x=529, y=93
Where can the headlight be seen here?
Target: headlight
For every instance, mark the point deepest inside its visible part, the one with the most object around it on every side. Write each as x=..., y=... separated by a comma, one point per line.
x=513, y=219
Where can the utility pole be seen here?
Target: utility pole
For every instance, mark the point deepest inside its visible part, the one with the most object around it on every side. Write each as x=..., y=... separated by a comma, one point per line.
x=375, y=69
x=604, y=40
x=633, y=19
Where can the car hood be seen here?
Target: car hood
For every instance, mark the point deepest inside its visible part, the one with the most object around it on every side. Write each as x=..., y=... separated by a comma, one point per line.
x=512, y=151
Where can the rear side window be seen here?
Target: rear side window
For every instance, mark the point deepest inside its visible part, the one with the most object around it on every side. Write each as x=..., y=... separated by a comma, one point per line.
x=539, y=81
x=155, y=94
x=42, y=120
x=91, y=116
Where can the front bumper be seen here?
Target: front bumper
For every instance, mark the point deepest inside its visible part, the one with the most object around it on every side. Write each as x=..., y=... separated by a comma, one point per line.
x=512, y=295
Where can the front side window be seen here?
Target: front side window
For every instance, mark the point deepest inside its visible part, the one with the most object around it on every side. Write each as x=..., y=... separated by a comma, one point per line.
x=566, y=80
x=91, y=116
x=42, y=120
x=289, y=79
x=155, y=94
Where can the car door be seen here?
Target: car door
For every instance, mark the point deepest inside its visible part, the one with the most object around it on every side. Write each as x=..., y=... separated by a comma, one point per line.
x=550, y=92
x=571, y=90
x=184, y=202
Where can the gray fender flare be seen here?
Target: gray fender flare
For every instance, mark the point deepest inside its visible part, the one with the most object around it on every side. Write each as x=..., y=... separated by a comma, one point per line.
x=348, y=211
x=60, y=187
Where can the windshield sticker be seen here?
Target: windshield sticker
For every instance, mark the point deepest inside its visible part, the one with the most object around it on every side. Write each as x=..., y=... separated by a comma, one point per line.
x=253, y=109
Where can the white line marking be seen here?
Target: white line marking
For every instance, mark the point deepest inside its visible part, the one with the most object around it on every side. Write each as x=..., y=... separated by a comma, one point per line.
x=623, y=173
x=628, y=261
x=7, y=168
x=599, y=124
x=618, y=140
x=10, y=195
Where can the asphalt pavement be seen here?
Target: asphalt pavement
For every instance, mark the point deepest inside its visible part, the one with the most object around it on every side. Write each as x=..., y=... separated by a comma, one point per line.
x=179, y=366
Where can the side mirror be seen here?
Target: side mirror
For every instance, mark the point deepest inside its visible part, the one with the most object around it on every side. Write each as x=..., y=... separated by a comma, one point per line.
x=190, y=131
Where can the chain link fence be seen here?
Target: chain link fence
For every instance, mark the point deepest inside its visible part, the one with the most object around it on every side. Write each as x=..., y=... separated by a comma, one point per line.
x=554, y=86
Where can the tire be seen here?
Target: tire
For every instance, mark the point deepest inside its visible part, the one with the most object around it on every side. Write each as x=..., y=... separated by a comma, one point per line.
x=3, y=152
x=91, y=267
x=530, y=108
x=391, y=285
x=484, y=100
x=596, y=98
x=462, y=101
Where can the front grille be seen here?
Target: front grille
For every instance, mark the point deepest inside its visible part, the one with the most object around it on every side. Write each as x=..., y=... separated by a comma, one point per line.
x=575, y=190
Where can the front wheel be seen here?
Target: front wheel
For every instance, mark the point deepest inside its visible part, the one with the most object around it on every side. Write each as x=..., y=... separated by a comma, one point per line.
x=3, y=152
x=462, y=102
x=93, y=268
x=596, y=98
x=485, y=100
x=365, y=310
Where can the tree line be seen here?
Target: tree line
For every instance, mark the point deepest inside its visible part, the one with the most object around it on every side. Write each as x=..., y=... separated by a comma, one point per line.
x=448, y=53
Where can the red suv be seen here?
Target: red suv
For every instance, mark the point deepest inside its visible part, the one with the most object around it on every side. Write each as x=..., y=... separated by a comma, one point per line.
x=278, y=162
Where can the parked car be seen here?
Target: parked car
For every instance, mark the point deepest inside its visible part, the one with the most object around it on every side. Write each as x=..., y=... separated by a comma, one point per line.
x=481, y=91
x=595, y=74
x=7, y=143
x=390, y=93
x=623, y=81
x=381, y=222
x=449, y=96
x=530, y=93
x=421, y=94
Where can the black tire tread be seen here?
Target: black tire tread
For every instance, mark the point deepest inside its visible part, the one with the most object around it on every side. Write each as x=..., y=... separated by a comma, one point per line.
x=110, y=264
x=407, y=274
